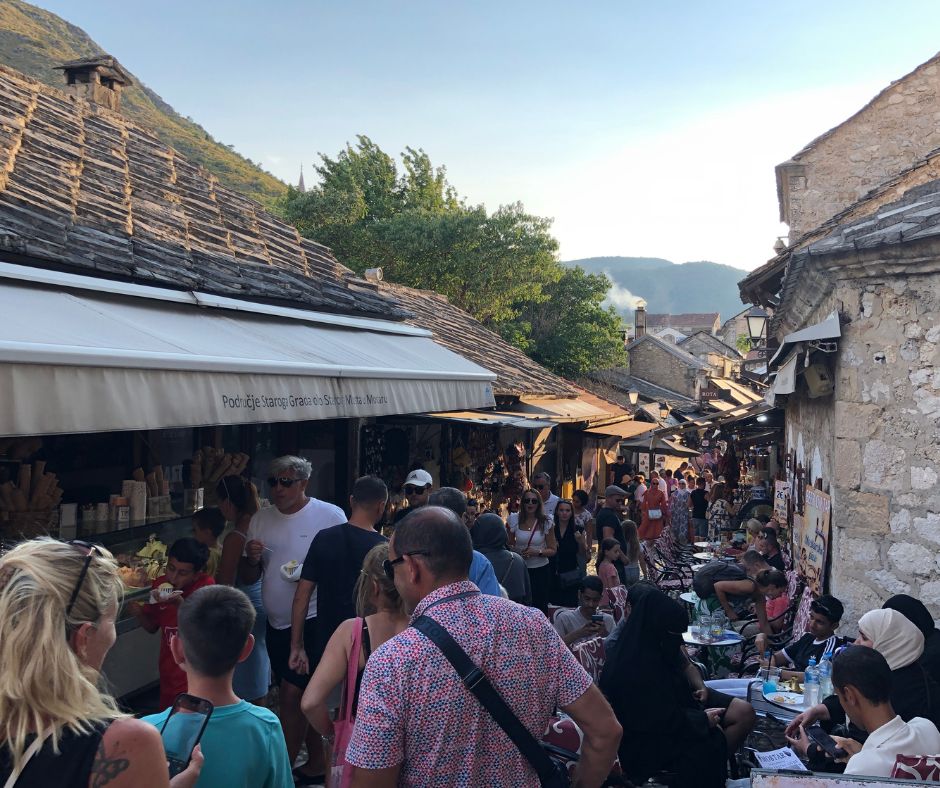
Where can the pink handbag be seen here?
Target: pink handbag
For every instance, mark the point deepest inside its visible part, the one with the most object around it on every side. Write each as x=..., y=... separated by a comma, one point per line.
x=339, y=776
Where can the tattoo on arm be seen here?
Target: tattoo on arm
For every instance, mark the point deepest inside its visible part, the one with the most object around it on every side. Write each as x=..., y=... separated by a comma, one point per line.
x=105, y=769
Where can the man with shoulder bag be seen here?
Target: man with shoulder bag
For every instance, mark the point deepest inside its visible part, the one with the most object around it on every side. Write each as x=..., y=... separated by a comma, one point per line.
x=463, y=695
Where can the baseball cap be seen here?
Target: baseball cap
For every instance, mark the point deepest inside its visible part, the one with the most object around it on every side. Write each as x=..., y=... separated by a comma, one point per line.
x=828, y=606
x=613, y=489
x=419, y=478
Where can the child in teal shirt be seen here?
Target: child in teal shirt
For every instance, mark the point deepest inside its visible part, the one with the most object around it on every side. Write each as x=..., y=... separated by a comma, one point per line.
x=243, y=744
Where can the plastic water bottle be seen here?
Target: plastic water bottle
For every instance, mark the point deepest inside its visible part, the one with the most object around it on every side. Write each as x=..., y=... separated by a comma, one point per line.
x=825, y=675
x=811, y=684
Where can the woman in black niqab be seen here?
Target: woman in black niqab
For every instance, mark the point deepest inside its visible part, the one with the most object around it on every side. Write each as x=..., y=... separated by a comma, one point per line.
x=645, y=680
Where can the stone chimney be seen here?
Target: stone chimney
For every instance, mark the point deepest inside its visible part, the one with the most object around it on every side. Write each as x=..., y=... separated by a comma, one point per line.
x=639, y=319
x=99, y=80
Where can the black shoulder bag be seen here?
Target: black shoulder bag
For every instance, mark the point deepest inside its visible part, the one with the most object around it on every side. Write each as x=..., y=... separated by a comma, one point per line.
x=552, y=773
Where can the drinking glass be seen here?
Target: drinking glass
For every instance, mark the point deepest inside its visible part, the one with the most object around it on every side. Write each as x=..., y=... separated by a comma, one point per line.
x=771, y=679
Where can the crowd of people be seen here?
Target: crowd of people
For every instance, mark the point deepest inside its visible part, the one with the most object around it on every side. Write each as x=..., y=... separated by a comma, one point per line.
x=437, y=655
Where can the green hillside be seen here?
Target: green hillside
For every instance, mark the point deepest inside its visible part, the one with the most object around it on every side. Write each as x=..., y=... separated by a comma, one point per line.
x=669, y=287
x=34, y=41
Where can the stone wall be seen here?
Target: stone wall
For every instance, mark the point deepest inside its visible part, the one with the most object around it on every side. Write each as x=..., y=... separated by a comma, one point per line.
x=900, y=126
x=657, y=365
x=878, y=442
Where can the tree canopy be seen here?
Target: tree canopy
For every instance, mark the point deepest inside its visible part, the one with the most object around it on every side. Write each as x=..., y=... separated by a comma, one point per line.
x=501, y=266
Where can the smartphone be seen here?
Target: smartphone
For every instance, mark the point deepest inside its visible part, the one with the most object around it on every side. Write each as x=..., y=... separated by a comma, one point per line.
x=824, y=740
x=597, y=618
x=183, y=728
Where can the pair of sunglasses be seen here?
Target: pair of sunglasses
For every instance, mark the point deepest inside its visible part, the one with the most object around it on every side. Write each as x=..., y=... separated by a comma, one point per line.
x=389, y=566
x=92, y=551
x=274, y=481
x=530, y=500
x=410, y=489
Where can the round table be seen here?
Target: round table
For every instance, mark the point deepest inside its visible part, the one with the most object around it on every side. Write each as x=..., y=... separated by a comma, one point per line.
x=689, y=597
x=703, y=556
x=702, y=545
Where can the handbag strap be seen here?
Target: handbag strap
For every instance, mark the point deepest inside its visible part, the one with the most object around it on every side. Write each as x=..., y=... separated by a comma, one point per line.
x=33, y=748
x=476, y=681
x=352, y=671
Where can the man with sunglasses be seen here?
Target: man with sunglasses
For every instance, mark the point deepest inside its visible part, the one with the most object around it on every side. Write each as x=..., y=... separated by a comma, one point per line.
x=542, y=483
x=279, y=537
x=417, y=489
x=416, y=723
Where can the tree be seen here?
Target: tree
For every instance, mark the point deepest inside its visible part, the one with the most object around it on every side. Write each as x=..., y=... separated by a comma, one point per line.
x=570, y=332
x=501, y=267
x=743, y=343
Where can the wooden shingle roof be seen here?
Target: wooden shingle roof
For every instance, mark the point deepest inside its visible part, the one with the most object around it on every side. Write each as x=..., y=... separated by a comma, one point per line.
x=517, y=375
x=84, y=189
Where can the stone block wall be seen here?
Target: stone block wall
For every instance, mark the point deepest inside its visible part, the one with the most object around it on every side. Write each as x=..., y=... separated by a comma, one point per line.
x=900, y=126
x=657, y=365
x=879, y=441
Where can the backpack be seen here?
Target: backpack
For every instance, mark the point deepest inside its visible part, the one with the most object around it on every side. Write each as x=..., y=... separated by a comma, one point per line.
x=713, y=572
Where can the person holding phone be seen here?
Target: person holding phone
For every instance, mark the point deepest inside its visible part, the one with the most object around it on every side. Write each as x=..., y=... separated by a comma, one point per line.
x=584, y=621
x=244, y=743
x=58, y=603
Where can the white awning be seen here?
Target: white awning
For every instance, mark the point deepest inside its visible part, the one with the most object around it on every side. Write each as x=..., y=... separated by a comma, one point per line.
x=785, y=382
x=493, y=419
x=74, y=360
x=830, y=328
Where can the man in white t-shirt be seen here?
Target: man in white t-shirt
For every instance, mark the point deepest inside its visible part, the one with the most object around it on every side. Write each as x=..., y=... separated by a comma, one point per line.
x=542, y=482
x=862, y=680
x=278, y=539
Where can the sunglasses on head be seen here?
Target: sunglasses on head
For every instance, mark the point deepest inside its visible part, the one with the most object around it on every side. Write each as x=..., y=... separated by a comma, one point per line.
x=410, y=489
x=274, y=481
x=92, y=551
x=389, y=566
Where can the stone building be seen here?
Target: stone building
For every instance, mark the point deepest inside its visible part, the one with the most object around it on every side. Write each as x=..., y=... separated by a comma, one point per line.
x=892, y=132
x=858, y=374
x=665, y=365
x=687, y=323
x=723, y=360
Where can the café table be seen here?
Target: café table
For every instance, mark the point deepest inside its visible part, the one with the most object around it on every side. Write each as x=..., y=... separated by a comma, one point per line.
x=703, y=556
x=728, y=639
x=689, y=597
x=702, y=545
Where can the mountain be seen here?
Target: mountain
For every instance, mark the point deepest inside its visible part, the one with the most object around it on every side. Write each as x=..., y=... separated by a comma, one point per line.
x=668, y=287
x=34, y=41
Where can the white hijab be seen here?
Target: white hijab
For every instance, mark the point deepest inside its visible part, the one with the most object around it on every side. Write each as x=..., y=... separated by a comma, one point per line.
x=893, y=636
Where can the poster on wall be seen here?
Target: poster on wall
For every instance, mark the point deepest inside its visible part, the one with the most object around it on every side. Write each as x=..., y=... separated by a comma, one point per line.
x=814, y=538
x=644, y=464
x=781, y=500
x=659, y=460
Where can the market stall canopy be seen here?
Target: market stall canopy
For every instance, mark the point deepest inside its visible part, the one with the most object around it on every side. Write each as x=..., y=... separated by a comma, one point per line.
x=76, y=359
x=493, y=419
x=622, y=429
x=718, y=419
x=560, y=410
x=659, y=445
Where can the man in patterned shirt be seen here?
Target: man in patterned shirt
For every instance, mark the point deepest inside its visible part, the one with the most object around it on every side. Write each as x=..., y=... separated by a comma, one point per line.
x=417, y=725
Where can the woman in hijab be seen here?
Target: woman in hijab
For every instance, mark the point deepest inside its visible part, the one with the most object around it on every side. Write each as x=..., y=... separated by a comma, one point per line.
x=913, y=692
x=646, y=681
x=916, y=612
x=489, y=537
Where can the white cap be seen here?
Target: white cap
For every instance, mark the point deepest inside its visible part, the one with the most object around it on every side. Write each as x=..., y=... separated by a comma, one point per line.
x=419, y=478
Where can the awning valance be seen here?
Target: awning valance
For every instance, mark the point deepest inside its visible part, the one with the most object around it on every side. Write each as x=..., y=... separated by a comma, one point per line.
x=74, y=360
x=493, y=419
x=623, y=429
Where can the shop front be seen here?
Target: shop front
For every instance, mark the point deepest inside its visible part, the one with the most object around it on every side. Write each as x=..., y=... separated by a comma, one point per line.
x=124, y=405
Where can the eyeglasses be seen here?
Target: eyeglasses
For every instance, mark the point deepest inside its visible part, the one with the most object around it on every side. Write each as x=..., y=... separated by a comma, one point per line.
x=92, y=551
x=530, y=500
x=410, y=489
x=539, y=486
x=389, y=566
x=274, y=481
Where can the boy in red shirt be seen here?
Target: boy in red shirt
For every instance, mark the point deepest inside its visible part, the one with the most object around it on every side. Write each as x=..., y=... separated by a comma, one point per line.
x=184, y=574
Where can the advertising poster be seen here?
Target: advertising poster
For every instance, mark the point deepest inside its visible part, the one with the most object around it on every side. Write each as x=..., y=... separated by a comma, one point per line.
x=644, y=464
x=660, y=462
x=814, y=538
x=781, y=500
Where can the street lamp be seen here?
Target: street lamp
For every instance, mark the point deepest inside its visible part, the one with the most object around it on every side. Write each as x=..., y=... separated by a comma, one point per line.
x=634, y=396
x=756, y=325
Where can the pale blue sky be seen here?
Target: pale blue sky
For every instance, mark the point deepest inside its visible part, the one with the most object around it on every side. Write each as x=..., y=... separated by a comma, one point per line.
x=642, y=128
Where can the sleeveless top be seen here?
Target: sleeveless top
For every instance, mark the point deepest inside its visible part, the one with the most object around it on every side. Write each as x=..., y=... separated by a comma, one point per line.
x=538, y=543
x=566, y=558
x=71, y=767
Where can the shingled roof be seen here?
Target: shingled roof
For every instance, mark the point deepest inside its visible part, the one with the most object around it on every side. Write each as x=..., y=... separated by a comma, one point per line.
x=657, y=320
x=517, y=375
x=84, y=189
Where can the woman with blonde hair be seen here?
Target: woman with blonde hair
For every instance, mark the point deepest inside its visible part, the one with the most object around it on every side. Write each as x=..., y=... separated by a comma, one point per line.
x=58, y=604
x=531, y=534
x=381, y=616
x=238, y=501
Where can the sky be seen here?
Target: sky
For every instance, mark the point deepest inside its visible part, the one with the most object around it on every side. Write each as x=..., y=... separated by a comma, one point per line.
x=642, y=129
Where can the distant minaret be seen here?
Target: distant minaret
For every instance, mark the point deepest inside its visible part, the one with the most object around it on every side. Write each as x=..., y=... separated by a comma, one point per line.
x=300, y=184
